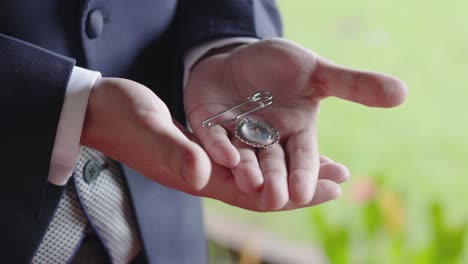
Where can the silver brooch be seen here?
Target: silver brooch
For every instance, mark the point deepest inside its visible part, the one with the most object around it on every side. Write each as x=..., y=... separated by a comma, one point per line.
x=252, y=132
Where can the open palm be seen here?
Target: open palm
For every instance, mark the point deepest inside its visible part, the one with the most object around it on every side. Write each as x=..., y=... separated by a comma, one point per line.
x=291, y=171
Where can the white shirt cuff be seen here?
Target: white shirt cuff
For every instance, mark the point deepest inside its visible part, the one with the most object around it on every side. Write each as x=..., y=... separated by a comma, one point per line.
x=196, y=53
x=67, y=139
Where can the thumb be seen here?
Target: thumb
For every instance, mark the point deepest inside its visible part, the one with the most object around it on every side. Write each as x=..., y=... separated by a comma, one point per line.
x=154, y=146
x=128, y=122
x=183, y=156
x=367, y=88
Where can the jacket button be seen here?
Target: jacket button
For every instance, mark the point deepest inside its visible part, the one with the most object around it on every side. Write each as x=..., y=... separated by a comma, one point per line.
x=91, y=171
x=94, y=24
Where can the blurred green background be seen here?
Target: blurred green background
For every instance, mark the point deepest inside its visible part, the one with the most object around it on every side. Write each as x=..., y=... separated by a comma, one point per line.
x=406, y=199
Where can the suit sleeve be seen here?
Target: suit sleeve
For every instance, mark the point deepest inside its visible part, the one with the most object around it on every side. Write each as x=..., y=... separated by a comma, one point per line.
x=33, y=83
x=200, y=21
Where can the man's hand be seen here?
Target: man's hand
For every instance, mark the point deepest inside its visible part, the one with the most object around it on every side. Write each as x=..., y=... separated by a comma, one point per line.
x=292, y=173
x=128, y=122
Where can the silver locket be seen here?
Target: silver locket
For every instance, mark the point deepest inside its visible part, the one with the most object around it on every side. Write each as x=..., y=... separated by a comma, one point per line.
x=252, y=132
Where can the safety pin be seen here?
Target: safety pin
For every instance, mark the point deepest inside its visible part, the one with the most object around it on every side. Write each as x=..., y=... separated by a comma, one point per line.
x=263, y=98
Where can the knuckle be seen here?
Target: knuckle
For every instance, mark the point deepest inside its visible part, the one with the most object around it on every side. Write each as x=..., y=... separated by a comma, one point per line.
x=270, y=155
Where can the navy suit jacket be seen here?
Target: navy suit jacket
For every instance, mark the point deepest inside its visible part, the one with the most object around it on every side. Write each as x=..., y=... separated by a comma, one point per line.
x=145, y=40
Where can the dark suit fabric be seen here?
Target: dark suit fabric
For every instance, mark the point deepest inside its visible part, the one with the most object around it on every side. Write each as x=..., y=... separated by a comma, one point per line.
x=41, y=41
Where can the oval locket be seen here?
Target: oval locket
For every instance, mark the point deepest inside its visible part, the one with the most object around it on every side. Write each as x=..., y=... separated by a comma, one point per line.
x=252, y=132
x=256, y=133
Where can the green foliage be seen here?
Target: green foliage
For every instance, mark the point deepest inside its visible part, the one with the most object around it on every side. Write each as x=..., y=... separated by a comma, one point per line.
x=448, y=240
x=335, y=240
x=377, y=241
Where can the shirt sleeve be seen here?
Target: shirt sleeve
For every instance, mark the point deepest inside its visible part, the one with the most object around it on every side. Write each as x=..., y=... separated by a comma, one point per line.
x=67, y=141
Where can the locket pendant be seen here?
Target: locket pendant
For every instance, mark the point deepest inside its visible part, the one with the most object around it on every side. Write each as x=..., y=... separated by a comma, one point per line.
x=256, y=133
x=252, y=132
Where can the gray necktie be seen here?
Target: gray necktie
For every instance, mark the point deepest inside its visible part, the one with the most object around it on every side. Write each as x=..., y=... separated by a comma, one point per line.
x=97, y=197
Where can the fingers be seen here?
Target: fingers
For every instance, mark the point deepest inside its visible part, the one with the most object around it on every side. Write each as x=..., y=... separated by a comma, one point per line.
x=303, y=164
x=223, y=186
x=334, y=172
x=367, y=88
x=217, y=144
x=274, y=194
x=324, y=160
x=247, y=173
x=327, y=188
x=326, y=191
x=215, y=139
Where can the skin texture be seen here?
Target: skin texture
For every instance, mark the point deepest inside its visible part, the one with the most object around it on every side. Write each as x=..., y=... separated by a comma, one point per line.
x=126, y=121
